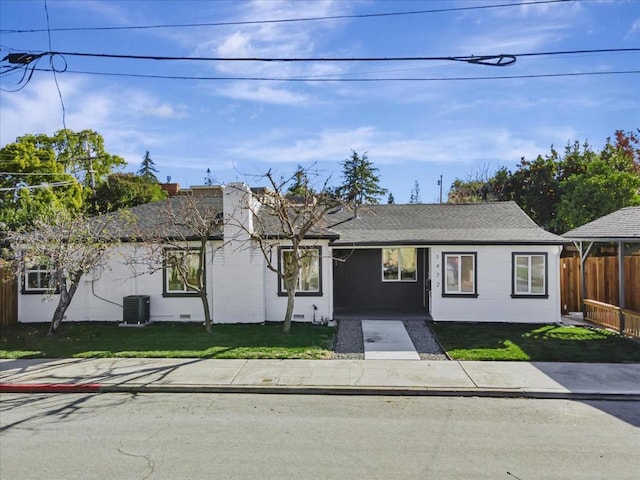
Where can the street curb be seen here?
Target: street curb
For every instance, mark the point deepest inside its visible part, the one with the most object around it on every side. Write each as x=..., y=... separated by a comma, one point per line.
x=320, y=390
x=50, y=387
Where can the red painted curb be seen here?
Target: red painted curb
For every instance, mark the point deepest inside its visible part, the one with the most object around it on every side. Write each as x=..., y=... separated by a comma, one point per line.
x=49, y=387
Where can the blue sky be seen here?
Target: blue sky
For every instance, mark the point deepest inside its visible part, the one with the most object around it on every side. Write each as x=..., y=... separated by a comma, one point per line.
x=411, y=130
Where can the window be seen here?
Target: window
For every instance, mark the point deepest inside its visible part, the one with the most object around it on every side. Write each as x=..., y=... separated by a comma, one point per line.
x=181, y=272
x=38, y=279
x=459, y=274
x=310, y=277
x=399, y=264
x=529, y=275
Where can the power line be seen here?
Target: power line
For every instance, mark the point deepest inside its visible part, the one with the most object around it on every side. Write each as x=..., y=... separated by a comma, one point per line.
x=327, y=80
x=288, y=20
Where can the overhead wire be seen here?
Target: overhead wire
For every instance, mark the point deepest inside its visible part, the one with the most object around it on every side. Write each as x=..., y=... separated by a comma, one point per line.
x=288, y=20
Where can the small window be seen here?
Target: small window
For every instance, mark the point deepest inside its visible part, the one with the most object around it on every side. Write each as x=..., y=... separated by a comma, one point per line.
x=529, y=275
x=181, y=272
x=399, y=264
x=459, y=274
x=310, y=277
x=38, y=279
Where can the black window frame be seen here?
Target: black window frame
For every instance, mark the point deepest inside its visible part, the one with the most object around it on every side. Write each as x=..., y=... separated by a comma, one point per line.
x=165, y=267
x=545, y=255
x=281, y=290
x=25, y=290
x=445, y=293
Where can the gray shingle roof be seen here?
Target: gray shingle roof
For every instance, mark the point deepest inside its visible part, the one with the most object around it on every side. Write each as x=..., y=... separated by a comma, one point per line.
x=499, y=222
x=623, y=224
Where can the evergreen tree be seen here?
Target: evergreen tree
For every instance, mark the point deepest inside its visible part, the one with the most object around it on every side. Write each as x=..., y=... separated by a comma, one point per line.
x=361, y=183
x=415, y=193
x=209, y=179
x=390, y=199
x=147, y=168
x=300, y=183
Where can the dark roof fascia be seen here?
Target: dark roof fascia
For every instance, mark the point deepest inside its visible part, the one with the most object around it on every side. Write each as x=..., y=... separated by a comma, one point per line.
x=602, y=239
x=456, y=242
x=170, y=239
x=306, y=237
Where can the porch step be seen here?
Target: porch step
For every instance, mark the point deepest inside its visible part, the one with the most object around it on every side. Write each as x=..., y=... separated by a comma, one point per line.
x=387, y=340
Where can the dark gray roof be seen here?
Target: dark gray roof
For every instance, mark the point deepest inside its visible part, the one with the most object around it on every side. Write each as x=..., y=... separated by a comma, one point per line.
x=478, y=223
x=157, y=218
x=622, y=225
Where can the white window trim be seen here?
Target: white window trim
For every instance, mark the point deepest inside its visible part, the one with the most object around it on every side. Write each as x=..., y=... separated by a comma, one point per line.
x=167, y=268
x=41, y=271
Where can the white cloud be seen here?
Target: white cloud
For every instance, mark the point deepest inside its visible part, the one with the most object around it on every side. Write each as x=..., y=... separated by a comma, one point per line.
x=635, y=28
x=263, y=93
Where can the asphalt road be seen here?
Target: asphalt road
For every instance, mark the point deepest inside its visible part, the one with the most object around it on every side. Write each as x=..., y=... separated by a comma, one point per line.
x=212, y=436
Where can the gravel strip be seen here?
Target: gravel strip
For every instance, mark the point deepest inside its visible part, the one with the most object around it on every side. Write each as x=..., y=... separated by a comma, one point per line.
x=424, y=340
x=349, y=343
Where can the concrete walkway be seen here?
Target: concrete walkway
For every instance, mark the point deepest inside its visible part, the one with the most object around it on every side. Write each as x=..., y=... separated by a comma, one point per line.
x=353, y=377
x=387, y=340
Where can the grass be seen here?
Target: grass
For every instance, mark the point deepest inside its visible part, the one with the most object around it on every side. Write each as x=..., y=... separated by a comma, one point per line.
x=534, y=343
x=83, y=340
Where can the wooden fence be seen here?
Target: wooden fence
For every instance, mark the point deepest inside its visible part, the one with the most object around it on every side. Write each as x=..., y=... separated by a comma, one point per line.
x=610, y=316
x=601, y=280
x=8, y=296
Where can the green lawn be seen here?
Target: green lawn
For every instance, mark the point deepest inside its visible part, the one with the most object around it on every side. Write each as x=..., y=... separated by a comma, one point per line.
x=534, y=343
x=167, y=340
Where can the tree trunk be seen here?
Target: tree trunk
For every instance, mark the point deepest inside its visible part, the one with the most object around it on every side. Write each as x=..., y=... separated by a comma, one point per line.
x=65, y=300
x=291, y=296
x=207, y=311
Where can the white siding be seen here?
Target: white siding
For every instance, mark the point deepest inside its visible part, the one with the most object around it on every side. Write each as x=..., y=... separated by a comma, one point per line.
x=494, y=302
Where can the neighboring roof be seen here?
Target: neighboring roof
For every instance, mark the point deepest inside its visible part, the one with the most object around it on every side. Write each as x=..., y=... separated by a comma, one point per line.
x=477, y=223
x=621, y=225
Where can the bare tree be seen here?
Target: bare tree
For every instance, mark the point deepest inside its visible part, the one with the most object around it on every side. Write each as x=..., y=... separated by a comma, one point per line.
x=63, y=248
x=175, y=235
x=281, y=220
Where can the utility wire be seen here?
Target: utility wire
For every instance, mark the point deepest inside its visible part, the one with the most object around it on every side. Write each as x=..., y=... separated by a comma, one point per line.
x=327, y=80
x=492, y=60
x=289, y=20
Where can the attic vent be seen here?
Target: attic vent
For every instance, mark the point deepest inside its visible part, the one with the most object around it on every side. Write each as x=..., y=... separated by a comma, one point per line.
x=185, y=315
x=298, y=316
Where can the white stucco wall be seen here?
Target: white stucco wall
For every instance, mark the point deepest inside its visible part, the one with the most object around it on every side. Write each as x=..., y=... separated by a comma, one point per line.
x=494, y=302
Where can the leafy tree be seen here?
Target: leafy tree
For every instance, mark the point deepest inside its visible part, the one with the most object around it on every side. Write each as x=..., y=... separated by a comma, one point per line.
x=69, y=246
x=415, y=193
x=390, y=199
x=148, y=168
x=361, y=184
x=52, y=172
x=609, y=182
x=35, y=185
x=124, y=190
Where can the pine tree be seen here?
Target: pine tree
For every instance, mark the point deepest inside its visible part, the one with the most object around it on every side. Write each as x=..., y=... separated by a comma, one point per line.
x=209, y=179
x=415, y=193
x=390, y=199
x=361, y=184
x=147, y=168
x=300, y=186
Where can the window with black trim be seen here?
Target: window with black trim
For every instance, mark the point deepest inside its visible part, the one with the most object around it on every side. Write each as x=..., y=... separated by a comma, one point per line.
x=180, y=273
x=459, y=274
x=399, y=264
x=310, y=277
x=38, y=279
x=529, y=275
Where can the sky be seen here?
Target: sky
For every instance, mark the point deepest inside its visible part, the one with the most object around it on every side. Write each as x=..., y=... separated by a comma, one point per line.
x=454, y=121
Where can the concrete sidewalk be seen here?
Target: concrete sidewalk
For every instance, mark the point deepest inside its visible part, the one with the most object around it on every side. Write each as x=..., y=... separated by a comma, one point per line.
x=347, y=377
